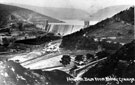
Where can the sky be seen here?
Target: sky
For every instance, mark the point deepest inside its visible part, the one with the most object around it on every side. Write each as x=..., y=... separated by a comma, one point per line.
x=80, y=4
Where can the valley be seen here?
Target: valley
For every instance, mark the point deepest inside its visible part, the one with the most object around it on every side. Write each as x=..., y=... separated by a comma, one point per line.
x=37, y=49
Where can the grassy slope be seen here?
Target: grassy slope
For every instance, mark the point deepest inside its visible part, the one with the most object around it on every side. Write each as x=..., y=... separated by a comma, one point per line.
x=21, y=14
x=120, y=26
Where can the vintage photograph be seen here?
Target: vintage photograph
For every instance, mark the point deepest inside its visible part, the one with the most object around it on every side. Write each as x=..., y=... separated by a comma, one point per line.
x=67, y=42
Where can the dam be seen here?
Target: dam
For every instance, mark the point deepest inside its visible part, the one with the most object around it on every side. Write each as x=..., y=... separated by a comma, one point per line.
x=68, y=27
x=64, y=29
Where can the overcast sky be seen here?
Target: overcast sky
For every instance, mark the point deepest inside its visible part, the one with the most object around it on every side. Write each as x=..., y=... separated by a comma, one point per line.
x=83, y=4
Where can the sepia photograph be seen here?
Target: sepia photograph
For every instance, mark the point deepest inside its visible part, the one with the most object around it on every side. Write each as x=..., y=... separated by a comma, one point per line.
x=67, y=42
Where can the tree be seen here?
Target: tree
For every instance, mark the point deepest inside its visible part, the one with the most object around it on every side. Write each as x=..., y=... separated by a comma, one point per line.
x=89, y=56
x=65, y=60
x=79, y=60
x=5, y=42
x=20, y=26
x=102, y=54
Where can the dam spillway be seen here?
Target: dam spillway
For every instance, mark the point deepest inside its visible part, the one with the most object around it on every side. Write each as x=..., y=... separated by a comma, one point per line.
x=64, y=29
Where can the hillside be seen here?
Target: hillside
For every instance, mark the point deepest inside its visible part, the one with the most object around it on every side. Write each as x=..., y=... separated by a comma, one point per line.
x=108, y=12
x=58, y=13
x=94, y=13
x=119, y=65
x=10, y=13
x=12, y=73
x=19, y=25
x=63, y=13
x=118, y=28
x=73, y=14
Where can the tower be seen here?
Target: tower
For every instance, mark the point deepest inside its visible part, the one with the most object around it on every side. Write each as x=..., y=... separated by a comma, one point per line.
x=46, y=25
x=86, y=24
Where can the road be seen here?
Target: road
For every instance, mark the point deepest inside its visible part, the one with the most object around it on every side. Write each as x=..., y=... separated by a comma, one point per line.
x=79, y=72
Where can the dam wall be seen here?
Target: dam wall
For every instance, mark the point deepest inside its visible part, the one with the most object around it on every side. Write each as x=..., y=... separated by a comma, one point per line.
x=64, y=29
